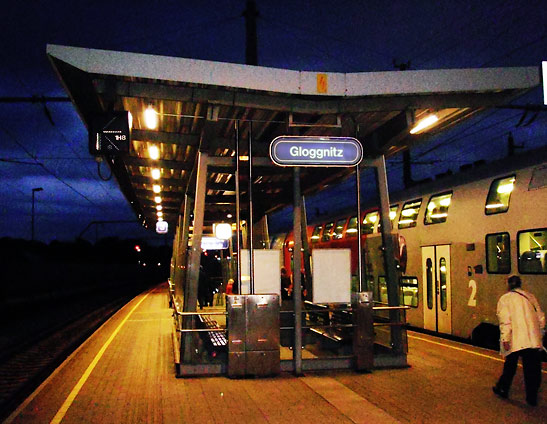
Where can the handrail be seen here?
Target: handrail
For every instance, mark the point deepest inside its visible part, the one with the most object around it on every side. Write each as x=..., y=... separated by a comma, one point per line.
x=199, y=313
x=387, y=308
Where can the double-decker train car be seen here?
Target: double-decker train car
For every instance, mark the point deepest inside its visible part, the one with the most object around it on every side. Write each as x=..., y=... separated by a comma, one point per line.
x=459, y=238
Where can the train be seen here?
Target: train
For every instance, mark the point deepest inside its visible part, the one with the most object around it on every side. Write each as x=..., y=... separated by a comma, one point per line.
x=459, y=238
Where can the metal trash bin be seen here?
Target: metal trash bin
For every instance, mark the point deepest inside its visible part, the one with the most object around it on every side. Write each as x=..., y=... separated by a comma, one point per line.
x=253, y=335
x=363, y=332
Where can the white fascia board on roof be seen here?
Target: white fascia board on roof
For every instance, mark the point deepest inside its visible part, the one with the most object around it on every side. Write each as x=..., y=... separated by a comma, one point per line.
x=295, y=82
x=442, y=81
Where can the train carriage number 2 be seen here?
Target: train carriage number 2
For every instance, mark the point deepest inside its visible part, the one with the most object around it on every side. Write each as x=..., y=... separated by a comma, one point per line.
x=472, y=299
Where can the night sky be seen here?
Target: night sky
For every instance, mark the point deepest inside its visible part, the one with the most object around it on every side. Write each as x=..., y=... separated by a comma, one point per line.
x=46, y=146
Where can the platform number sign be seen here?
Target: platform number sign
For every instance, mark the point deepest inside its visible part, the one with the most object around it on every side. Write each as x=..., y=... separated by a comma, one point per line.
x=109, y=133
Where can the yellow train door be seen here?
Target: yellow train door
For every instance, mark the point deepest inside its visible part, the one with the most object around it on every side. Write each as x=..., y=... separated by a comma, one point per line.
x=437, y=288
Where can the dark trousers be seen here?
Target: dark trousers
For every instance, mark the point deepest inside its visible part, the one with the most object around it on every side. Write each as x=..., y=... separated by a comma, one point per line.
x=531, y=362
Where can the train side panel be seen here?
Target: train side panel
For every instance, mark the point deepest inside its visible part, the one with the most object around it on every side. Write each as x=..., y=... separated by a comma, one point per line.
x=475, y=291
x=452, y=255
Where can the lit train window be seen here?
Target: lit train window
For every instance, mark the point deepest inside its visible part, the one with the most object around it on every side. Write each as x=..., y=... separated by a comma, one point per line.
x=532, y=251
x=327, y=231
x=290, y=245
x=369, y=221
x=409, y=291
x=352, y=227
x=369, y=283
x=442, y=282
x=409, y=214
x=437, y=208
x=392, y=215
x=338, y=229
x=498, y=253
x=382, y=289
x=499, y=195
x=316, y=233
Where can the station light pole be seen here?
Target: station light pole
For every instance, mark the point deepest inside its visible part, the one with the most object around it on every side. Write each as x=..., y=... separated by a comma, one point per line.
x=34, y=190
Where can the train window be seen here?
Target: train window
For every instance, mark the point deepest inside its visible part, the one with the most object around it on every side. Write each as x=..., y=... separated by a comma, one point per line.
x=382, y=289
x=499, y=195
x=352, y=227
x=498, y=253
x=327, y=231
x=339, y=229
x=368, y=223
x=409, y=291
x=532, y=251
x=409, y=214
x=429, y=282
x=437, y=208
x=290, y=245
x=369, y=283
x=442, y=282
x=316, y=235
x=392, y=214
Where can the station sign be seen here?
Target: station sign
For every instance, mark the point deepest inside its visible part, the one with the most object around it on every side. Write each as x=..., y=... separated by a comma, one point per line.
x=316, y=151
x=213, y=243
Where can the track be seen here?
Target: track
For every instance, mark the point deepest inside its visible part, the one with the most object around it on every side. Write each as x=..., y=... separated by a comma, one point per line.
x=33, y=356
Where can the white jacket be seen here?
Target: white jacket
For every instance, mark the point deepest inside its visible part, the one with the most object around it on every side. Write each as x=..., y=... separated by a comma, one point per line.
x=522, y=321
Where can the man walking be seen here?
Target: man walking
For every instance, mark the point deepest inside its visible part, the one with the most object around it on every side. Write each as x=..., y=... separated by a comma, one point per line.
x=522, y=324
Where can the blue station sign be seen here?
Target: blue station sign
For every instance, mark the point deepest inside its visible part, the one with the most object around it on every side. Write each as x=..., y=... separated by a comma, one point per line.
x=316, y=151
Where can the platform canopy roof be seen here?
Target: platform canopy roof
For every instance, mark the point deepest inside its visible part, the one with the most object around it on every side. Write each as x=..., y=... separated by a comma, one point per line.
x=205, y=105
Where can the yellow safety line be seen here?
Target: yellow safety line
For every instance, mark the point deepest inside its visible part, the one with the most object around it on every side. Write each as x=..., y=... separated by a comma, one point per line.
x=68, y=402
x=463, y=350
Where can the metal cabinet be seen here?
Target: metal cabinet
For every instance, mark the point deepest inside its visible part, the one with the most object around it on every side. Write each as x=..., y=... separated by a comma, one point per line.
x=253, y=335
x=363, y=332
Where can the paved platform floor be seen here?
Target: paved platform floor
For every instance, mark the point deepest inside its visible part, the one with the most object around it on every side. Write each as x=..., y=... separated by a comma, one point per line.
x=125, y=374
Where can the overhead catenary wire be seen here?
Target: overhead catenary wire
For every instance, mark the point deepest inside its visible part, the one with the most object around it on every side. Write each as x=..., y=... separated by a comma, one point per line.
x=16, y=141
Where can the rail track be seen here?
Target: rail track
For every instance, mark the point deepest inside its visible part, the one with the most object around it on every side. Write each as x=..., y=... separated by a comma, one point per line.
x=37, y=351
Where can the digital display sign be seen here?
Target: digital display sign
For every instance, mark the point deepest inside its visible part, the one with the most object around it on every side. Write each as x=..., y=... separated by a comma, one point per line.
x=109, y=133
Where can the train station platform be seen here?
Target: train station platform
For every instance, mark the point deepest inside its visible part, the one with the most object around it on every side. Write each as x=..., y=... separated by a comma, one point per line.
x=125, y=373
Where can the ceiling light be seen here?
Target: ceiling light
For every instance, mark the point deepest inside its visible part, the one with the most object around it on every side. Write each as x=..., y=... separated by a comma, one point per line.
x=223, y=231
x=157, y=199
x=159, y=213
x=156, y=188
x=151, y=118
x=159, y=207
x=154, y=152
x=130, y=119
x=156, y=173
x=424, y=123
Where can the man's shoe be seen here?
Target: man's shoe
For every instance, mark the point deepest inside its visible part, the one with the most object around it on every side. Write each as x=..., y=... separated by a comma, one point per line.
x=501, y=393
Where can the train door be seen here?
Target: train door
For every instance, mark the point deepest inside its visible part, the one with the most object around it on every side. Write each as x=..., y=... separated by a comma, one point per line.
x=436, y=288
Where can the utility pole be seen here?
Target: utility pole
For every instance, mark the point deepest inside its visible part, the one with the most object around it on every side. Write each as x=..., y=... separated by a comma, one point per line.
x=251, y=50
